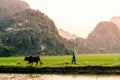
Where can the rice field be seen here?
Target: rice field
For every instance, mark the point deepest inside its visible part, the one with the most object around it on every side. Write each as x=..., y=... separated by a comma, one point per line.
x=58, y=61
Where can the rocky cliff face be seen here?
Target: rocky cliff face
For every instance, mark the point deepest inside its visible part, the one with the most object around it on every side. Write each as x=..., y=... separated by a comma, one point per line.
x=26, y=32
x=105, y=38
x=10, y=7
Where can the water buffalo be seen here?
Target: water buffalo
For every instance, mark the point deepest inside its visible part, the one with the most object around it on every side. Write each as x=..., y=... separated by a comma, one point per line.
x=32, y=59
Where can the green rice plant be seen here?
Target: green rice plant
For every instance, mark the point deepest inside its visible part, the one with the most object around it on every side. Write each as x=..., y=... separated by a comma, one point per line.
x=62, y=61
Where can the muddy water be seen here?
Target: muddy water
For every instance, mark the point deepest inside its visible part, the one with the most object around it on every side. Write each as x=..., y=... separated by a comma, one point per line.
x=57, y=77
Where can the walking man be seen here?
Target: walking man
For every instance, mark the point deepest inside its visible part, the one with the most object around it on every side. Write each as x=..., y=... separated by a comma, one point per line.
x=73, y=58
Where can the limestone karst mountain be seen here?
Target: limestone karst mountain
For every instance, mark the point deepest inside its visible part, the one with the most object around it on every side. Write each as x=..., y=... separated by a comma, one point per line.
x=105, y=38
x=24, y=31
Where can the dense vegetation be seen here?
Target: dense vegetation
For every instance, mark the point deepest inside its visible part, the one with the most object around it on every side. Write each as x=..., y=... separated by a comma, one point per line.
x=25, y=32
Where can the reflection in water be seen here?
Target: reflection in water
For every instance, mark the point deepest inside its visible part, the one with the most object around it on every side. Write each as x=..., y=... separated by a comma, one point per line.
x=57, y=77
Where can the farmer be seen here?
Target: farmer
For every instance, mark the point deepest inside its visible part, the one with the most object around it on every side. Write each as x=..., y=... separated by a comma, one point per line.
x=73, y=58
x=40, y=51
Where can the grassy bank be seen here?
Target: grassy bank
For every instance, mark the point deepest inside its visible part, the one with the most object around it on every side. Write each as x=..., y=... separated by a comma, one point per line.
x=82, y=60
x=86, y=63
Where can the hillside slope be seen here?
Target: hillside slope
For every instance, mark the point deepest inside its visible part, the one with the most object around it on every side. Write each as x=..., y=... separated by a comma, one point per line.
x=105, y=38
x=10, y=7
x=28, y=31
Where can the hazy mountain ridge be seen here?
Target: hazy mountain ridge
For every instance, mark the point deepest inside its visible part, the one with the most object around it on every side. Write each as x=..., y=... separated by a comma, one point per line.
x=105, y=38
x=66, y=34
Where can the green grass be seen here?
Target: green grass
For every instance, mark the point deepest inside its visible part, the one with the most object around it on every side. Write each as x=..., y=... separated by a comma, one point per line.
x=58, y=61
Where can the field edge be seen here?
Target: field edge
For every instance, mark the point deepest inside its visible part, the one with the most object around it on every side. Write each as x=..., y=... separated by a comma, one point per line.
x=62, y=70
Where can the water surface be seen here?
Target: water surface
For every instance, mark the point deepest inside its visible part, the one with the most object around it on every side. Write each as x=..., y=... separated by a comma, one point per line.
x=57, y=77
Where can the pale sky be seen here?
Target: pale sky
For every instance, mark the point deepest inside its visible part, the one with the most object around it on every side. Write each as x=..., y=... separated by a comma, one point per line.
x=77, y=16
